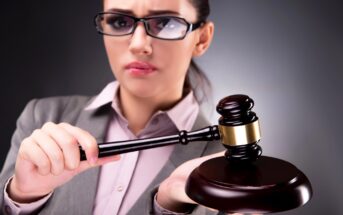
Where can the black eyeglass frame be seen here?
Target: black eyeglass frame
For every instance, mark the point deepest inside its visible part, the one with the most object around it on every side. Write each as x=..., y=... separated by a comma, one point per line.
x=190, y=26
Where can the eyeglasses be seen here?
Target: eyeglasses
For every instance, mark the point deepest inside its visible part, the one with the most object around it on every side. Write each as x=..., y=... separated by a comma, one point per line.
x=160, y=27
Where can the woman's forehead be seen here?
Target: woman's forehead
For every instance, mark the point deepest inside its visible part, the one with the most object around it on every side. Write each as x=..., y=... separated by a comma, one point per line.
x=142, y=8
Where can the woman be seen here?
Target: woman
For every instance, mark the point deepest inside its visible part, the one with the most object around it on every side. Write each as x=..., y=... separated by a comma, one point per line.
x=150, y=45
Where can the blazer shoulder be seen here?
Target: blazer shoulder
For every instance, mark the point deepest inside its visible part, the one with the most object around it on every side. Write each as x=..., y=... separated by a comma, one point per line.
x=64, y=102
x=57, y=108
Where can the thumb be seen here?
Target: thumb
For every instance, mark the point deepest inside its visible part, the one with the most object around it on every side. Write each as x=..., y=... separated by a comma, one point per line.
x=84, y=165
x=104, y=160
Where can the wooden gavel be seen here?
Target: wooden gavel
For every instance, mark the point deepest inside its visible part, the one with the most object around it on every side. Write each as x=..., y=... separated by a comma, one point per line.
x=242, y=180
x=231, y=133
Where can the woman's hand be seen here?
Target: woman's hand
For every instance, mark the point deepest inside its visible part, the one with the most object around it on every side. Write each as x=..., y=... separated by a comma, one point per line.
x=49, y=158
x=171, y=192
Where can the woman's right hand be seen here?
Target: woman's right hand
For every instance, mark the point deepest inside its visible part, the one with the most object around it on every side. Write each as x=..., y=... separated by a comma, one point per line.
x=49, y=158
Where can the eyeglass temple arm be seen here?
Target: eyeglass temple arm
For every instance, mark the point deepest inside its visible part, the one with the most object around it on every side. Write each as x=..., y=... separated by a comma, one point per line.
x=195, y=26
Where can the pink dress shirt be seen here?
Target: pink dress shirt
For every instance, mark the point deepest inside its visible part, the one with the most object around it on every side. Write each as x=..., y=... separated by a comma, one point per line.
x=122, y=182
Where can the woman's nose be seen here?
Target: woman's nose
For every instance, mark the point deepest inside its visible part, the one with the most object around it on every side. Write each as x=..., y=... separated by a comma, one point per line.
x=140, y=42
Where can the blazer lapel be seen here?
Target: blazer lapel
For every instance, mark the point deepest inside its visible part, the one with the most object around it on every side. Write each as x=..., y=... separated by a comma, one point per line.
x=78, y=195
x=179, y=155
x=192, y=150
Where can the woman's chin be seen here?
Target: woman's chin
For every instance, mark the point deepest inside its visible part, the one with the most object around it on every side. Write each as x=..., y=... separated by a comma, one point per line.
x=143, y=91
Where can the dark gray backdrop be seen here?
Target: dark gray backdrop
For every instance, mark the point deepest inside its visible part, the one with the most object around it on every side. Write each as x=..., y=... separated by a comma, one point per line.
x=287, y=55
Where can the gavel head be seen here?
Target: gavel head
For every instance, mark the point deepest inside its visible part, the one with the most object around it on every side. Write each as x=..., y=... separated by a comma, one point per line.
x=239, y=128
x=243, y=181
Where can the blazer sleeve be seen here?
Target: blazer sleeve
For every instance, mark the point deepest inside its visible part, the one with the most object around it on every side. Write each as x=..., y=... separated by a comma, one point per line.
x=25, y=125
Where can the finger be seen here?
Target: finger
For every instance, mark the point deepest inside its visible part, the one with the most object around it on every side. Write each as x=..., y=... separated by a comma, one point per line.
x=32, y=153
x=104, y=160
x=100, y=161
x=67, y=143
x=178, y=189
x=51, y=149
x=86, y=141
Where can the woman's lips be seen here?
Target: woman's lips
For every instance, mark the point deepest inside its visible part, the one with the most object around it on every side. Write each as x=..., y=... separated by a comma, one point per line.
x=140, y=68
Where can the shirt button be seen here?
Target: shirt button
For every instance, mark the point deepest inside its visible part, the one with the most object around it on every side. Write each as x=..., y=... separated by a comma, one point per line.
x=8, y=209
x=120, y=188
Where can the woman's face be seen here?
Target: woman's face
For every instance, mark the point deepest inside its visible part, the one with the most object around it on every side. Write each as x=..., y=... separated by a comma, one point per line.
x=147, y=67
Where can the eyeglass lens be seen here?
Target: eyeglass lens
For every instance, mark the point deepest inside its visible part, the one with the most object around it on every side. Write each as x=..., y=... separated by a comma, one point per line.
x=160, y=27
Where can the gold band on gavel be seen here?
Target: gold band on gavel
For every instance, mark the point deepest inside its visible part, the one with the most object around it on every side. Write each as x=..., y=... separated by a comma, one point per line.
x=241, y=134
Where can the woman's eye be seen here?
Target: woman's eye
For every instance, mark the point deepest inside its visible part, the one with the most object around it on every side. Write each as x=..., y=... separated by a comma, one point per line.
x=118, y=22
x=165, y=24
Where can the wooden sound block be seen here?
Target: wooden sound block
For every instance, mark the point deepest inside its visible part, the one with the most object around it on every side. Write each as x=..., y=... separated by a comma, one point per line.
x=264, y=186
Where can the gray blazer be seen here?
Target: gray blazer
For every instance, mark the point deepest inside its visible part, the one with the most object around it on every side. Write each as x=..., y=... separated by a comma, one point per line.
x=77, y=196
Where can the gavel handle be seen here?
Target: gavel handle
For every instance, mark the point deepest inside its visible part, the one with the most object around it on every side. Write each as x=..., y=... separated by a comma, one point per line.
x=209, y=133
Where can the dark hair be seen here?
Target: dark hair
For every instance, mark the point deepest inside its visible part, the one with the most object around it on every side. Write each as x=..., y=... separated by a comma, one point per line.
x=196, y=79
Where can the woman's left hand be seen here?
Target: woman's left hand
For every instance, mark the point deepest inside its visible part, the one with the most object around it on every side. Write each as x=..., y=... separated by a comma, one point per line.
x=171, y=192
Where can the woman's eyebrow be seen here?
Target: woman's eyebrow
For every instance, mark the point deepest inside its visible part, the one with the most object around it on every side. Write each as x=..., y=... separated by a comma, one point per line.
x=150, y=12
x=162, y=12
x=129, y=12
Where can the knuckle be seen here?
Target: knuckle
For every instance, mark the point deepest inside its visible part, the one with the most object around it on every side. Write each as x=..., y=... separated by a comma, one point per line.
x=90, y=142
x=22, y=154
x=70, y=140
x=88, y=138
x=89, y=147
x=44, y=165
x=64, y=124
x=26, y=143
x=56, y=156
x=86, y=133
x=92, y=139
x=36, y=132
x=24, y=149
x=48, y=125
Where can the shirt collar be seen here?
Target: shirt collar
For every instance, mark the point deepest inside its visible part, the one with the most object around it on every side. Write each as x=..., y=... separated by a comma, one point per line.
x=183, y=114
x=107, y=95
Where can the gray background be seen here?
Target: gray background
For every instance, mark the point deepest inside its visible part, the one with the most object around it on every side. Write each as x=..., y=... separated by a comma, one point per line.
x=287, y=55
